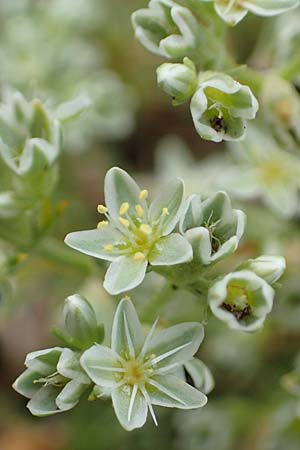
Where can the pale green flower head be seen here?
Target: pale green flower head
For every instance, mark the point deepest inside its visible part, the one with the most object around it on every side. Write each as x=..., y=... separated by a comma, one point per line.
x=242, y=299
x=134, y=232
x=140, y=372
x=168, y=30
x=53, y=381
x=178, y=80
x=212, y=227
x=30, y=138
x=221, y=106
x=233, y=11
x=263, y=170
x=268, y=267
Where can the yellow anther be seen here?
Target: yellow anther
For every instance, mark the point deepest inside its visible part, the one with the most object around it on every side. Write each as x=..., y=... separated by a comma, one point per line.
x=126, y=297
x=165, y=212
x=139, y=210
x=145, y=228
x=102, y=209
x=139, y=256
x=124, y=222
x=103, y=224
x=108, y=248
x=143, y=194
x=124, y=208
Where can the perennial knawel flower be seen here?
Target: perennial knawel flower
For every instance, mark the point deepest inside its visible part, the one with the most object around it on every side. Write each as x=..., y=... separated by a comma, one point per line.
x=53, y=381
x=134, y=234
x=168, y=29
x=264, y=170
x=220, y=107
x=233, y=11
x=140, y=372
x=212, y=227
x=242, y=299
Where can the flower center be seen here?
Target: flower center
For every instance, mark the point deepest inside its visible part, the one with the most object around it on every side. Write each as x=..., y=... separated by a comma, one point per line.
x=55, y=379
x=238, y=301
x=139, y=234
x=273, y=172
x=135, y=372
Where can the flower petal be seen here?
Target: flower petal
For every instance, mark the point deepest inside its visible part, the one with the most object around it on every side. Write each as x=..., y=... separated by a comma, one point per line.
x=92, y=242
x=121, y=398
x=172, y=198
x=199, y=239
x=119, y=187
x=69, y=366
x=102, y=365
x=44, y=361
x=25, y=385
x=127, y=334
x=123, y=274
x=43, y=403
x=173, y=392
x=170, y=250
x=201, y=375
x=70, y=395
x=175, y=344
x=269, y=7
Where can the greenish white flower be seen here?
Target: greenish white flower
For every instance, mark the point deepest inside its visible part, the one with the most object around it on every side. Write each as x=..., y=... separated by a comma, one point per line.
x=81, y=322
x=178, y=80
x=141, y=372
x=280, y=105
x=168, y=29
x=268, y=267
x=30, y=139
x=262, y=169
x=242, y=299
x=212, y=227
x=134, y=233
x=233, y=11
x=220, y=107
x=53, y=381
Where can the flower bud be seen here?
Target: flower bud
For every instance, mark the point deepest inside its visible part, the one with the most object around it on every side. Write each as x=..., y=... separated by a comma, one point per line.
x=268, y=267
x=178, y=80
x=80, y=321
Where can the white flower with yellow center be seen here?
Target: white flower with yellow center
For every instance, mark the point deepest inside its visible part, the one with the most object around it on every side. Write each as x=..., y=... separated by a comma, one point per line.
x=264, y=170
x=140, y=372
x=233, y=11
x=134, y=233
